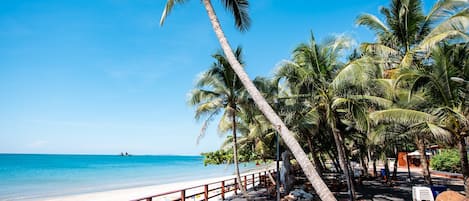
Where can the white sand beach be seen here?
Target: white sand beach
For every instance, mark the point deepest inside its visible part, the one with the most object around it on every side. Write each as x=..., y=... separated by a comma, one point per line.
x=146, y=191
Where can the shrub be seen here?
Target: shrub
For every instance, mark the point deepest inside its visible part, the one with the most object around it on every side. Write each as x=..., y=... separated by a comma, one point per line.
x=218, y=157
x=447, y=160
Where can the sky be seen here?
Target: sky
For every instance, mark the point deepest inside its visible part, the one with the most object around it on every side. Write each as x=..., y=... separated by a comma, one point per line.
x=102, y=77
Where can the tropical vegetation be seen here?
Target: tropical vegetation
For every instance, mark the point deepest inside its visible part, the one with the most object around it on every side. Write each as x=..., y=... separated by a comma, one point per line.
x=334, y=102
x=446, y=160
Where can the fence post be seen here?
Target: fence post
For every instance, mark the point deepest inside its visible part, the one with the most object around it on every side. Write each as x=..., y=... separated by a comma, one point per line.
x=183, y=195
x=245, y=183
x=253, y=182
x=235, y=187
x=260, y=182
x=222, y=190
x=206, y=192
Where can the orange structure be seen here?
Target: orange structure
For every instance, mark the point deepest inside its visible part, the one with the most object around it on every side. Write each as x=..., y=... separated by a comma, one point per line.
x=413, y=157
x=402, y=159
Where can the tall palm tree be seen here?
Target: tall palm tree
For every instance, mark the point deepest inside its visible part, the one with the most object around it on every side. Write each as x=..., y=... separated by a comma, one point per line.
x=332, y=89
x=405, y=41
x=309, y=75
x=446, y=97
x=421, y=126
x=219, y=90
x=239, y=10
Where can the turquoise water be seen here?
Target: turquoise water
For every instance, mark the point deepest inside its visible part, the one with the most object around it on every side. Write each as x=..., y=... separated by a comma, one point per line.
x=36, y=176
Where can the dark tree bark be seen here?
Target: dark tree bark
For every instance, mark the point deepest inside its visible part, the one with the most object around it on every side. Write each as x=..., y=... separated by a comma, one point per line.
x=464, y=163
x=394, y=172
x=424, y=161
x=315, y=158
x=343, y=161
x=374, y=168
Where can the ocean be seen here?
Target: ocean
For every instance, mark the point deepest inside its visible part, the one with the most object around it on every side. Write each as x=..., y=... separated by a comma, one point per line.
x=36, y=176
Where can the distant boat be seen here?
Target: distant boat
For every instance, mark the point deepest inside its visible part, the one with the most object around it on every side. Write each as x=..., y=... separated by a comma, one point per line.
x=125, y=154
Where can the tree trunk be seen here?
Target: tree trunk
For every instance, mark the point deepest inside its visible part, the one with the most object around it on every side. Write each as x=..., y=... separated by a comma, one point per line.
x=318, y=184
x=409, y=177
x=386, y=169
x=314, y=156
x=235, y=153
x=343, y=161
x=396, y=156
x=374, y=168
x=364, y=164
x=335, y=161
x=321, y=160
x=464, y=164
x=424, y=161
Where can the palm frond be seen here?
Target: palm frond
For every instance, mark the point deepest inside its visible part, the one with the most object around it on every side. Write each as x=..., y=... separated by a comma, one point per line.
x=356, y=73
x=408, y=60
x=168, y=8
x=439, y=133
x=205, y=125
x=401, y=116
x=379, y=49
x=239, y=9
x=198, y=96
x=374, y=100
x=431, y=41
x=372, y=22
x=458, y=21
x=208, y=108
x=445, y=8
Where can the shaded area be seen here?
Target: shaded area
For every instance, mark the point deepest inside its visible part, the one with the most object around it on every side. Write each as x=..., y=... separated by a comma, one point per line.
x=375, y=189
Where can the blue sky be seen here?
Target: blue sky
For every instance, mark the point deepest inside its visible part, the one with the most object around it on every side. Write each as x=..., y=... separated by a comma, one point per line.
x=101, y=76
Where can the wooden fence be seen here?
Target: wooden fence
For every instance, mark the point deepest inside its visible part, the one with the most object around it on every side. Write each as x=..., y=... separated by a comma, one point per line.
x=218, y=189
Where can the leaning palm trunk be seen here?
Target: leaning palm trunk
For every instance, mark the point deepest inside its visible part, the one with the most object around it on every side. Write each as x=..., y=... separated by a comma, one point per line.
x=464, y=164
x=343, y=161
x=235, y=154
x=423, y=160
x=308, y=168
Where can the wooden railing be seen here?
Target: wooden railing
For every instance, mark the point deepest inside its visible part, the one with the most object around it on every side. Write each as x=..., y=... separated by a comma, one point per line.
x=218, y=189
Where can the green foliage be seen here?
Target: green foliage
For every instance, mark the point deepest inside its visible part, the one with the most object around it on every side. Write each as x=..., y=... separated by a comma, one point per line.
x=226, y=156
x=448, y=161
x=218, y=157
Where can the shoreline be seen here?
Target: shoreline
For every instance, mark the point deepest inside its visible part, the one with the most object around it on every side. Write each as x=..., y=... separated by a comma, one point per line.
x=146, y=191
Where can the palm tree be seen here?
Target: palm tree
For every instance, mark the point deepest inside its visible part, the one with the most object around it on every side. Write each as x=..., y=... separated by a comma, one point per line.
x=408, y=35
x=308, y=75
x=446, y=97
x=334, y=91
x=242, y=21
x=219, y=90
x=405, y=41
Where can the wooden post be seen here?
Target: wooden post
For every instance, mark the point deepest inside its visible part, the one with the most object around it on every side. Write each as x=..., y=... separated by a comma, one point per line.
x=253, y=182
x=206, y=192
x=183, y=195
x=260, y=182
x=235, y=187
x=222, y=190
x=148, y=199
x=245, y=183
